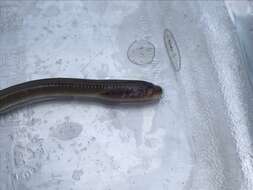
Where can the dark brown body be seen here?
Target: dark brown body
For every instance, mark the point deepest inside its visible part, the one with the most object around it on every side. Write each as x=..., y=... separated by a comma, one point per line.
x=125, y=91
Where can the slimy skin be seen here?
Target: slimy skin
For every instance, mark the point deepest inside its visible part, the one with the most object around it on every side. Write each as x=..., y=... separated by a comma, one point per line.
x=117, y=91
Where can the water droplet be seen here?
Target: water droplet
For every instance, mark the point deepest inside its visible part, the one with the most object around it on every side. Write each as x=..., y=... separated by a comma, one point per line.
x=15, y=177
x=77, y=174
x=26, y=175
x=30, y=154
x=32, y=170
x=58, y=62
x=83, y=149
x=74, y=23
x=93, y=139
x=18, y=157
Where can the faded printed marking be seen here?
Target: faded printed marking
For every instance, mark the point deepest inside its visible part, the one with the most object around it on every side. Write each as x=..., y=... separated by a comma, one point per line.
x=141, y=52
x=172, y=49
x=10, y=20
x=11, y=66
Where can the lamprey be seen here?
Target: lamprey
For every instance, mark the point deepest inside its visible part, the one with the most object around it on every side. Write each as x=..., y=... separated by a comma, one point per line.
x=118, y=91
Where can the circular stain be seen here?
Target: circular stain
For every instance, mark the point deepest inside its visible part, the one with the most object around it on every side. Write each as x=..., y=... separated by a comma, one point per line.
x=67, y=130
x=141, y=52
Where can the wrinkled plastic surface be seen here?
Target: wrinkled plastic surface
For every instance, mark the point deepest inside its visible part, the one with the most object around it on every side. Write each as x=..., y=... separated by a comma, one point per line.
x=197, y=137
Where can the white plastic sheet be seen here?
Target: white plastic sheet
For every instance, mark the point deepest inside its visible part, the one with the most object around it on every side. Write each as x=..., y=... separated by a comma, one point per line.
x=198, y=137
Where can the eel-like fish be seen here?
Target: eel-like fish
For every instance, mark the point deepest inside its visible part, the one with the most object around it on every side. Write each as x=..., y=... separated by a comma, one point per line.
x=118, y=91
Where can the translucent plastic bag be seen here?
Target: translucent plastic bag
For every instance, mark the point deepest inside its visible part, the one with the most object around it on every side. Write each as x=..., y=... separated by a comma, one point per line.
x=197, y=137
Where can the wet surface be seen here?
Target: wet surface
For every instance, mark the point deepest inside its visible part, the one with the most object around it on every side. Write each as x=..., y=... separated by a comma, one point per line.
x=197, y=137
